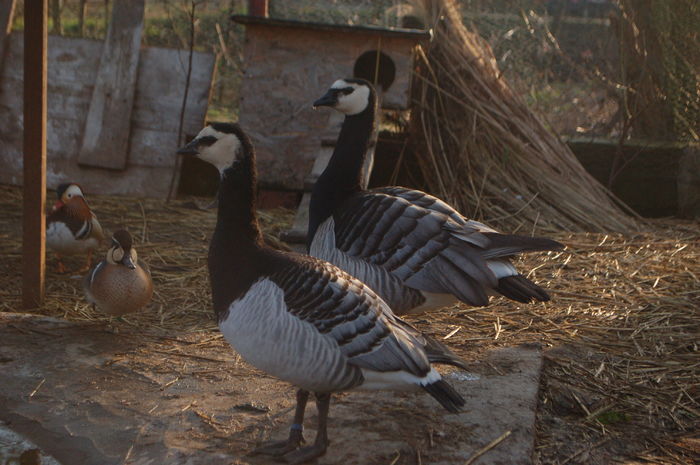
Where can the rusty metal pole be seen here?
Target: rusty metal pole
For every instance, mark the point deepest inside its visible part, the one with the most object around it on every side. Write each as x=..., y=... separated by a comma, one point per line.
x=258, y=8
x=34, y=182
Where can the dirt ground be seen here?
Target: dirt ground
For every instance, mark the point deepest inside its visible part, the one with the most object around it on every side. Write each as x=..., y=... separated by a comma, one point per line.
x=621, y=377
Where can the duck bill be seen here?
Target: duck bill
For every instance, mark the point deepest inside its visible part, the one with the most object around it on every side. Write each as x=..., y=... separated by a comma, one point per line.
x=128, y=262
x=189, y=149
x=328, y=100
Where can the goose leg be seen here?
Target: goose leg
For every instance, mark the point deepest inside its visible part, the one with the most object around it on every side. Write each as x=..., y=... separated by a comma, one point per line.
x=296, y=436
x=320, y=445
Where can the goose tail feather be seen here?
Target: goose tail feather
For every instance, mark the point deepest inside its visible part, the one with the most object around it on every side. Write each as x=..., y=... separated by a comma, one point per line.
x=448, y=397
x=521, y=289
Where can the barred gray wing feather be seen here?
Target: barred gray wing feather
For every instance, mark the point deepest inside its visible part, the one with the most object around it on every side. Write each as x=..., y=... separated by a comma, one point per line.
x=431, y=247
x=415, y=244
x=344, y=309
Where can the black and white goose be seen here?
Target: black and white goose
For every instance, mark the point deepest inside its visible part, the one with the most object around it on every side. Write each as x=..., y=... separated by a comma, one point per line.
x=414, y=250
x=300, y=318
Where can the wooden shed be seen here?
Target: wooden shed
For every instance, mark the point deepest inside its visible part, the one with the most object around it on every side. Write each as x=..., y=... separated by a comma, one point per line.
x=289, y=64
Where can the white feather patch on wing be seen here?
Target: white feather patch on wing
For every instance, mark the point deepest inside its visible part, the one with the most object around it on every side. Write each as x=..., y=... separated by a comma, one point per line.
x=433, y=301
x=396, y=380
x=501, y=269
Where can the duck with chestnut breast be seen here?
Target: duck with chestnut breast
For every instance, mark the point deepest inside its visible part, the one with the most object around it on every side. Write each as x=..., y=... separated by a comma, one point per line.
x=414, y=250
x=121, y=283
x=71, y=226
x=299, y=318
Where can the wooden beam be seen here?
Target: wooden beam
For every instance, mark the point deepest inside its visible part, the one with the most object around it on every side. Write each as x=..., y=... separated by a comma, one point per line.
x=34, y=182
x=108, y=123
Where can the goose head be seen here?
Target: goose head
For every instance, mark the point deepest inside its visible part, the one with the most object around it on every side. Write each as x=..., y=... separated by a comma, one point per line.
x=348, y=96
x=220, y=144
x=121, y=252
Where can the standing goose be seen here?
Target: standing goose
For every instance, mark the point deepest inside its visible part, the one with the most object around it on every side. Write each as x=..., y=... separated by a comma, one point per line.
x=71, y=227
x=121, y=283
x=299, y=318
x=414, y=250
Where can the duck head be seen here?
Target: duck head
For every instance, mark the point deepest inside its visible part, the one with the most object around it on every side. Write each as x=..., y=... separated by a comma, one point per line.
x=348, y=96
x=220, y=144
x=121, y=252
x=67, y=192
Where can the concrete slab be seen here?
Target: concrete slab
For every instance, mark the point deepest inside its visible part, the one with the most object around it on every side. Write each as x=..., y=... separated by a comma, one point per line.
x=88, y=396
x=15, y=448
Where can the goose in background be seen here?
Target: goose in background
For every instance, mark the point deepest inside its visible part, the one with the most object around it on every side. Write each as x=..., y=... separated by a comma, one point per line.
x=299, y=318
x=414, y=250
x=121, y=283
x=71, y=227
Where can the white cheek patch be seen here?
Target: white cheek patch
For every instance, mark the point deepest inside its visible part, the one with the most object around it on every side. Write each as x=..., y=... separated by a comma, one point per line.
x=355, y=102
x=221, y=153
x=209, y=131
x=74, y=190
x=340, y=84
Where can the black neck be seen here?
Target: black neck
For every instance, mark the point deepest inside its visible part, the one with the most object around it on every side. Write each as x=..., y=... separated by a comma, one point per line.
x=237, y=240
x=343, y=175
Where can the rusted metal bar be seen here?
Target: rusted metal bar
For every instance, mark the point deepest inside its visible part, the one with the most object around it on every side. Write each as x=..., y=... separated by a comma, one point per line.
x=34, y=182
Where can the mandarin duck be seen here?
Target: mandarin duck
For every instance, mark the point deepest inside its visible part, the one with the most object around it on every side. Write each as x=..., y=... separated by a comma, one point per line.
x=71, y=227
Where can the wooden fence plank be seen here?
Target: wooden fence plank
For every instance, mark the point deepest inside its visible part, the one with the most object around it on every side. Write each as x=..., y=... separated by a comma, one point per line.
x=73, y=67
x=7, y=9
x=34, y=191
x=106, y=135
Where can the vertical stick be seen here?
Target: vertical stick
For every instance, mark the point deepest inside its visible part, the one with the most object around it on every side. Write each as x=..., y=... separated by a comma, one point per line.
x=56, y=17
x=34, y=182
x=82, y=9
x=175, y=179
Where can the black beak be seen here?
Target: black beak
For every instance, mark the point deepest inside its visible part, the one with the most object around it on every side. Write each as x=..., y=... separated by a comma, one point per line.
x=189, y=149
x=328, y=100
x=127, y=262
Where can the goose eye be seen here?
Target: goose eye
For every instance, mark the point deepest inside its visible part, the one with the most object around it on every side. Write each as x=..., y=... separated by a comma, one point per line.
x=346, y=91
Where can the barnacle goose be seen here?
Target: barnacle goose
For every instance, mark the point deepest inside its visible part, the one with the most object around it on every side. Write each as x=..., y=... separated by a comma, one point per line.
x=300, y=318
x=414, y=250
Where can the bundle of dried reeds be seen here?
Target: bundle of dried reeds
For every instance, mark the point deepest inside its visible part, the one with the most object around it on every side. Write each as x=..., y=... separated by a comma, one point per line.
x=483, y=150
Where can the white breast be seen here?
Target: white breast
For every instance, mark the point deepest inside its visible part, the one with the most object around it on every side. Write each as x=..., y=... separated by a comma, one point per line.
x=259, y=327
x=60, y=239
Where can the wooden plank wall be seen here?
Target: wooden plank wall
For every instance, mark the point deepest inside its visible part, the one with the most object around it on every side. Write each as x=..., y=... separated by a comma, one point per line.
x=106, y=134
x=7, y=8
x=73, y=65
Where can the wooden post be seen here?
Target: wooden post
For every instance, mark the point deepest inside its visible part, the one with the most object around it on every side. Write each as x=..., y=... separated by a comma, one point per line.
x=258, y=8
x=34, y=182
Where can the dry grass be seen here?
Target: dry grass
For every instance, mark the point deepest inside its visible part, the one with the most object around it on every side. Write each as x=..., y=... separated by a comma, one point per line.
x=172, y=237
x=622, y=373
x=483, y=150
